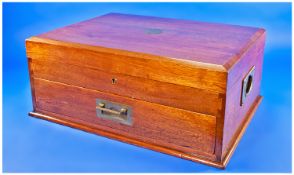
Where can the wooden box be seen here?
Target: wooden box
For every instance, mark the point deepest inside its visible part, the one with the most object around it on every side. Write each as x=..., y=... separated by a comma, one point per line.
x=184, y=88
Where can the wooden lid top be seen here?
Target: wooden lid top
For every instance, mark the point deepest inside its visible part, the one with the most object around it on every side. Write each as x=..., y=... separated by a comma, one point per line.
x=207, y=43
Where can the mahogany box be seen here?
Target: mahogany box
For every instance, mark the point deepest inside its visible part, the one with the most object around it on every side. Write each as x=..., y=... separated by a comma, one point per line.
x=184, y=88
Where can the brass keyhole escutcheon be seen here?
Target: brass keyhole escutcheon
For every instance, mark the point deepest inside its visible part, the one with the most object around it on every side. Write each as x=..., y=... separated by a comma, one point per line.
x=113, y=81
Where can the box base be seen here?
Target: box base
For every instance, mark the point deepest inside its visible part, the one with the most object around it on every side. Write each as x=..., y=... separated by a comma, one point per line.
x=54, y=118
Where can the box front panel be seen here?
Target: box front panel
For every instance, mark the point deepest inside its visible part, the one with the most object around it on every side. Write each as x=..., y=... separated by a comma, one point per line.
x=181, y=130
x=168, y=94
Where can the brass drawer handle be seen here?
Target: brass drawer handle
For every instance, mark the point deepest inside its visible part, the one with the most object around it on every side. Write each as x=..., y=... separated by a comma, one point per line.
x=101, y=106
x=116, y=112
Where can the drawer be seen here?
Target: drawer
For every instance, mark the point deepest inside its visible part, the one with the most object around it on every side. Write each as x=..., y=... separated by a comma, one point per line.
x=177, y=129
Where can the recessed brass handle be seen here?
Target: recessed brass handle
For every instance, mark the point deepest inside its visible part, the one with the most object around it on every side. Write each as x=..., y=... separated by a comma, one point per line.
x=122, y=111
x=113, y=111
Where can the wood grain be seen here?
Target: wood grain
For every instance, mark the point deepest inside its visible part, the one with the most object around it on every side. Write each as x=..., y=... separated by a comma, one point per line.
x=182, y=78
x=31, y=73
x=235, y=113
x=58, y=118
x=138, y=88
x=240, y=132
x=152, y=67
x=191, y=40
x=183, y=130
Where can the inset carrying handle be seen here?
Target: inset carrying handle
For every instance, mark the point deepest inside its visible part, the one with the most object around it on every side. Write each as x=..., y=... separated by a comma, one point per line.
x=113, y=111
x=247, y=85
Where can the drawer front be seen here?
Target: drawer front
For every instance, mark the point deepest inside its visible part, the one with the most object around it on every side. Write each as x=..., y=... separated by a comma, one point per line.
x=181, y=130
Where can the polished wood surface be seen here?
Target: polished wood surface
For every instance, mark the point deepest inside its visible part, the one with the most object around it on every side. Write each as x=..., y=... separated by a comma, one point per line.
x=192, y=74
x=234, y=115
x=57, y=118
x=153, y=123
x=134, y=87
x=182, y=78
x=240, y=132
x=191, y=40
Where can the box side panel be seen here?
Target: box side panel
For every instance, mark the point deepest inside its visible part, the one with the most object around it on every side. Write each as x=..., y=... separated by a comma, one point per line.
x=31, y=74
x=236, y=112
x=181, y=130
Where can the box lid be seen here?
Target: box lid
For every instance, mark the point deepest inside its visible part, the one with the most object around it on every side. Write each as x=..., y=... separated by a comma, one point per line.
x=208, y=43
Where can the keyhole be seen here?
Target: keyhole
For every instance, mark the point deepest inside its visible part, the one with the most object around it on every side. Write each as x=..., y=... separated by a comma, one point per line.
x=113, y=80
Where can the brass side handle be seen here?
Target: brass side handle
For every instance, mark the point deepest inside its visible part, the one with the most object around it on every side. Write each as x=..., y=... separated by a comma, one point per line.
x=247, y=85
